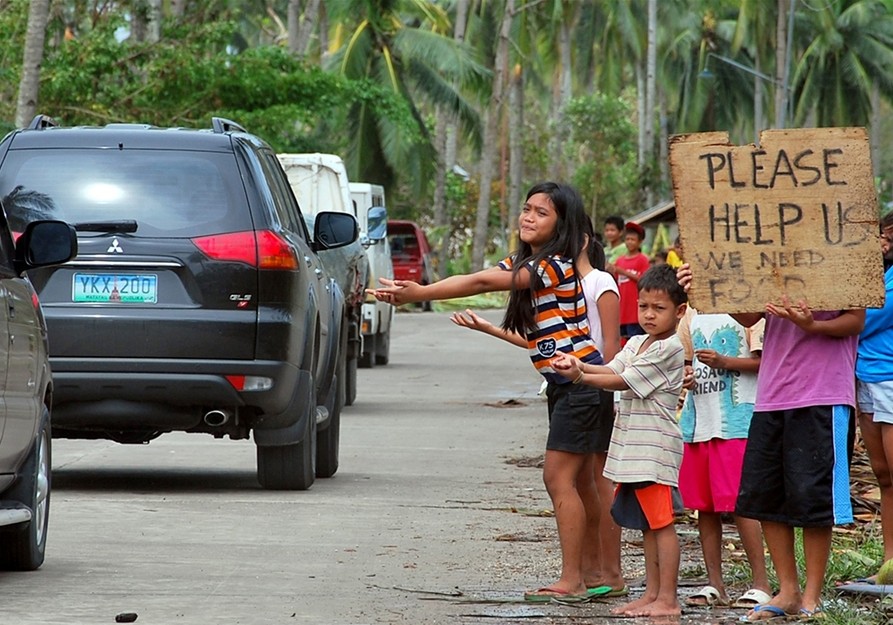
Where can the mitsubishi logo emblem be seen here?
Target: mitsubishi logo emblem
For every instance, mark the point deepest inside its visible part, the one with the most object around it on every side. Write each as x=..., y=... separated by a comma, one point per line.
x=114, y=248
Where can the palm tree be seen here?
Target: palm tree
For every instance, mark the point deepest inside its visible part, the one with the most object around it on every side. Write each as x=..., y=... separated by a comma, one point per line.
x=405, y=46
x=849, y=51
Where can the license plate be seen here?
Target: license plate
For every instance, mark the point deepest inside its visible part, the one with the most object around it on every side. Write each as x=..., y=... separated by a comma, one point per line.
x=119, y=288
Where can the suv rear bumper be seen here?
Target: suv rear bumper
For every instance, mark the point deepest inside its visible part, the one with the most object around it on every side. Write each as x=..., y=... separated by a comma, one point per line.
x=124, y=394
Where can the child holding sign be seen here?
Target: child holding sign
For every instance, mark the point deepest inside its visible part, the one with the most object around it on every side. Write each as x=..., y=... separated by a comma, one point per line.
x=796, y=463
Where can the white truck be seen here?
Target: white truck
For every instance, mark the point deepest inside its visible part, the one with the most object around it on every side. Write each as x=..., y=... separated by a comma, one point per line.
x=377, y=316
x=319, y=182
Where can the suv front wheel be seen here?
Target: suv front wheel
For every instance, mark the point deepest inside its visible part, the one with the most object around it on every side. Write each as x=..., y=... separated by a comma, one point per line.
x=24, y=545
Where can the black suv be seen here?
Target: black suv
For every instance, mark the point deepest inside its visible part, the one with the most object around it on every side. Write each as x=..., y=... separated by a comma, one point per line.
x=197, y=301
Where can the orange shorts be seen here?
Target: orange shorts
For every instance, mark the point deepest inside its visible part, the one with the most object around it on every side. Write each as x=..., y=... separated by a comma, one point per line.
x=645, y=505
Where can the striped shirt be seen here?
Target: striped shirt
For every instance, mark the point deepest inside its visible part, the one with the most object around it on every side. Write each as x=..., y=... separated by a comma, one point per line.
x=559, y=316
x=646, y=443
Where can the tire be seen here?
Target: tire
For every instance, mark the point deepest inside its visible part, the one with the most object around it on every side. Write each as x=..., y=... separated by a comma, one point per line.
x=367, y=360
x=350, y=382
x=290, y=467
x=24, y=545
x=383, y=348
x=328, y=440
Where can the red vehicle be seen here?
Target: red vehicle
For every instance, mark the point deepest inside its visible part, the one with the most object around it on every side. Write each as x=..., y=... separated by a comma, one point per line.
x=410, y=253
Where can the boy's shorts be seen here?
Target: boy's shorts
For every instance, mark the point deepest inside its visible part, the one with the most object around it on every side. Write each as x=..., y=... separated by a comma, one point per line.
x=711, y=474
x=576, y=424
x=645, y=505
x=796, y=467
x=876, y=398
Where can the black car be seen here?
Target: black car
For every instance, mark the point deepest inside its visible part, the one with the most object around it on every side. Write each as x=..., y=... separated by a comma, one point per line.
x=26, y=391
x=197, y=301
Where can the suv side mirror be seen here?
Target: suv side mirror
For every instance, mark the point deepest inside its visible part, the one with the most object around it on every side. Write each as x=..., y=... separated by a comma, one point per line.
x=45, y=243
x=333, y=230
x=377, y=220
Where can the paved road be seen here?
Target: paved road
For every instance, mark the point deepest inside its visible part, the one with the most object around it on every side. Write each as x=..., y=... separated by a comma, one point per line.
x=424, y=505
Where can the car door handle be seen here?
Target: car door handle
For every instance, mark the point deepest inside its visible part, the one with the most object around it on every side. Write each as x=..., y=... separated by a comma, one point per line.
x=12, y=311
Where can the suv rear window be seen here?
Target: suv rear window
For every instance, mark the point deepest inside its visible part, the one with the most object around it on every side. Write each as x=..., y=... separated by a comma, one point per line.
x=168, y=193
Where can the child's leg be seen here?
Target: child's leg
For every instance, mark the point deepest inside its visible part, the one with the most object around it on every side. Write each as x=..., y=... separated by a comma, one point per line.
x=609, y=532
x=780, y=540
x=816, y=550
x=710, y=533
x=664, y=568
x=652, y=578
x=589, y=495
x=752, y=540
x=560, y=477
x=887, y=490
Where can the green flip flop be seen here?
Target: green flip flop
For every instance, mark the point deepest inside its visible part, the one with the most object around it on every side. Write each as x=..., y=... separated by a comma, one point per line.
x=603, y=592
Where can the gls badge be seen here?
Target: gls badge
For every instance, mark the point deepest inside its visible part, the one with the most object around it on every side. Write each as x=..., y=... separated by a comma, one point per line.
x=546, y=348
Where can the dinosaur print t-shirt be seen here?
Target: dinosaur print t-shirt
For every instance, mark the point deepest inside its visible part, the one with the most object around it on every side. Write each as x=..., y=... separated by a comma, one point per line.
x=721, y=403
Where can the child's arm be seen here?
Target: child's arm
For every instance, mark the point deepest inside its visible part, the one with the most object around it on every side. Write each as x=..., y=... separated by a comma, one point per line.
x=608, y=305
x=848, y=323
x=475, y=322
x=485, y=281
x=715, y=360
x=580, y=372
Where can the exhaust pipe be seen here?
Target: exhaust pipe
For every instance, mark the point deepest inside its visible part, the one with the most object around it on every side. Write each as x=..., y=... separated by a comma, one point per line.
x=216, y=418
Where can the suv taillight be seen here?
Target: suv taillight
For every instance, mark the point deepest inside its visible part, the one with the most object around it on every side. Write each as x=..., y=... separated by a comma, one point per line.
x=264, y=249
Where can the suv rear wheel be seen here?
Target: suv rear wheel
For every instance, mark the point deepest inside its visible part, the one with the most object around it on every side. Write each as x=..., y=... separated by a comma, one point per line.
x=290, y=467
x=24, y=545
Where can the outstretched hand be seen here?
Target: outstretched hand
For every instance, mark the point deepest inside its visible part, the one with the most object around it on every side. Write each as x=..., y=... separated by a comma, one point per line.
x=472, y=321
x=396, y=292
x=799, y=313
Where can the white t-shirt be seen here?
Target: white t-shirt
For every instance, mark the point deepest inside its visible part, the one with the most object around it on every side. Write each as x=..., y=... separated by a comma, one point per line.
x=595, y=284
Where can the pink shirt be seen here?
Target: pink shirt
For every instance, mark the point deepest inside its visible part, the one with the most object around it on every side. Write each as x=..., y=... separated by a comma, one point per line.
x=800, y=369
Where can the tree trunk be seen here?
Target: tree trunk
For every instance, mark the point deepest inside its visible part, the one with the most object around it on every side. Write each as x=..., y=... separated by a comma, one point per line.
x=516, y=148
x=650, y=99
x=565, y=92
x=445, y=143
x=153, y=24
x=178, y=8
x=491, y=144
x=301, y=27
x=780, y=62
x=29, y=86
x=757, y=99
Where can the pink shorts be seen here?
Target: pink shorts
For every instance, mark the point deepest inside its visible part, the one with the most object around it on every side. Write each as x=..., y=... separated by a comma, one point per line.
x=711, y=473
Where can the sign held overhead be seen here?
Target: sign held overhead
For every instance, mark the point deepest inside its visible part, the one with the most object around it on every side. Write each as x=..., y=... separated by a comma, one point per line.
x=796, y=216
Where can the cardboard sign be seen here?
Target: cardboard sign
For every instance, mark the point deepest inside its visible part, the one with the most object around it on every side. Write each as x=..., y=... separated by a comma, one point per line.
x=796, y=216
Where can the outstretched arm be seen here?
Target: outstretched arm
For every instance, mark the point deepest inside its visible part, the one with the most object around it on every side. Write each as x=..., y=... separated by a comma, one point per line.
x=473, y=321
x=485, y=281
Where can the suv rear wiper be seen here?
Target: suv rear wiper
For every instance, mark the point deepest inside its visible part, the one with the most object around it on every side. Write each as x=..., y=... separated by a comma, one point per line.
x=120, y=225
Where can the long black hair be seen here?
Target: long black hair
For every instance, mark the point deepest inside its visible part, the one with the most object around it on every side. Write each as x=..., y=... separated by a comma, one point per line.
x=568, y=241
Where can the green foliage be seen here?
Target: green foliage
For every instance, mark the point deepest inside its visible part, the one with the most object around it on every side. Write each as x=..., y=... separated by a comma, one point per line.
x=193, y=74
x=603, y=144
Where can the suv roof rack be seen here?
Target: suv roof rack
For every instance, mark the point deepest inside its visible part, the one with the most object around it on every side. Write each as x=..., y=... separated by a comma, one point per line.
x=221, y=125
x=42, y=121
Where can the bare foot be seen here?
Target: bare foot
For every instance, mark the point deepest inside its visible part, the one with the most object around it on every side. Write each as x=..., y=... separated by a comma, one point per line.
x=659, y=608
x=633, y=606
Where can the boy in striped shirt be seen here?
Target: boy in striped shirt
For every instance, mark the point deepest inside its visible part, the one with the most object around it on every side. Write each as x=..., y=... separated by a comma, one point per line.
x=646, y=443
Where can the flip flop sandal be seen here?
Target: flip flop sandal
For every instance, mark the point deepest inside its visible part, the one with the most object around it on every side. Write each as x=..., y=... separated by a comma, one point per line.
x=771, y=610
x=604, y=592
x=752, y=598
x=547, y=593
x=707, y=597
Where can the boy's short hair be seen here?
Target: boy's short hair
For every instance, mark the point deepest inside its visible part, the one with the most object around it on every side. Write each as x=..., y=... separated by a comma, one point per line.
x=663, y=278
x=634, y=228
x=616, y=221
